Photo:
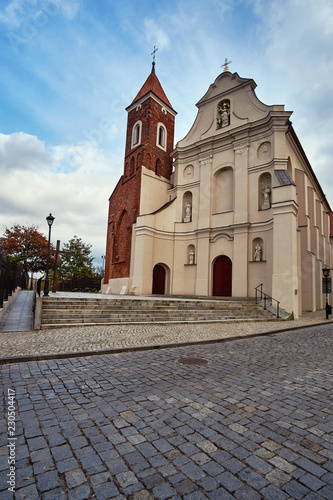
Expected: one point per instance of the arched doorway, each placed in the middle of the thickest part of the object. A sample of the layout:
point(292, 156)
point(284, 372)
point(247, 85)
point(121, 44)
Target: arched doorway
point(222, 277)
point(159, 276)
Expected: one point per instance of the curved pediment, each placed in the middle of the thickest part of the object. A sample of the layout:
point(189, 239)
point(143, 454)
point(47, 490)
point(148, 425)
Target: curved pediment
point(229, 103)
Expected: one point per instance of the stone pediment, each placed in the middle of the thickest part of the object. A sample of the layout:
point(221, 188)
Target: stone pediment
point(225, 83)
point(229, 103)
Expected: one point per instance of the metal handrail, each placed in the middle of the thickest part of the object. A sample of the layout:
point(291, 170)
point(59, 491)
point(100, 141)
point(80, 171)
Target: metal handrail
point(264, 297)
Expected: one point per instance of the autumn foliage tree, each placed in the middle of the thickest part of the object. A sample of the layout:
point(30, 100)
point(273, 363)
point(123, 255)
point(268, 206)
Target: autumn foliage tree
point(26, 245)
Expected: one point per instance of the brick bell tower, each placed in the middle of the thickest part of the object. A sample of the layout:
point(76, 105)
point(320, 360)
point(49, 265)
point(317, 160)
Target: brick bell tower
point(149, 143)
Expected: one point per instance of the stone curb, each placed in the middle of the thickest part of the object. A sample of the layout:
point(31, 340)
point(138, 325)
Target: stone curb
point(45, 357)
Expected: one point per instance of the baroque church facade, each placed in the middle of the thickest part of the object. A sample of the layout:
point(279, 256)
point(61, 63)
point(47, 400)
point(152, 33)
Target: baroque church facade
point(235, 204)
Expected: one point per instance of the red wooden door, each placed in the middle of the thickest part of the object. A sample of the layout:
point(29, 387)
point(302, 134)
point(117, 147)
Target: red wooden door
point(222, 277)
point(159, 280)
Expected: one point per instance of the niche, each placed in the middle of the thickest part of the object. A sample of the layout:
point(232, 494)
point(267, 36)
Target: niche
point(264, 191)
point(223, 113)
point(190, 255)
point(187, 207)
point(223, 190)
point(257, 249)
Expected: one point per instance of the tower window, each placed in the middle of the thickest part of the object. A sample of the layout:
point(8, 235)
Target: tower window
point(161, 136)
point(136, 134)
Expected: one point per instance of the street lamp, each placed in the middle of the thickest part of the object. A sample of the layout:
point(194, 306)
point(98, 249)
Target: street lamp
point(327, 288)
point(50, 220)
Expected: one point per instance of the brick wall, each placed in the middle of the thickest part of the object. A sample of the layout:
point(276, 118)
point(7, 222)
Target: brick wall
point(124, 202)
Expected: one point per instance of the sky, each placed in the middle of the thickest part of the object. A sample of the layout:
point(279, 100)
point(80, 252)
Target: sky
point(69, 68)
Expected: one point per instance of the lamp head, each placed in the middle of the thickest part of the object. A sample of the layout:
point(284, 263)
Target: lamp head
point(326, 272)
point(50, 219)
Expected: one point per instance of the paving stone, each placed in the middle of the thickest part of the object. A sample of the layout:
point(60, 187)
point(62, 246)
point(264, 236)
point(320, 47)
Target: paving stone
point(27, 493)
point(295, 489)
point(282, 464)
point(247, 493)
point(252, 478)
point(67, 465)
point(235, 449)
point(126, 479)
point(208, 484)
point(106, 491)
point(229, 481)
point(74, 478)
point(80, 493)
point(272, 492)
point(57, 494)
point(312, 482)
point(197, 495)
point(48, 481)
point(310, 467)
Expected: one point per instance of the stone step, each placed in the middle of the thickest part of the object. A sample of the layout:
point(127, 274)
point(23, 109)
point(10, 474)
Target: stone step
point(121, 318)
point(64, 311)
point(160, 322)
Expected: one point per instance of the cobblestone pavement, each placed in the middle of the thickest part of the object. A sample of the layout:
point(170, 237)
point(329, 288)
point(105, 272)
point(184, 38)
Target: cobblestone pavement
point(254, 420)
point(86, 339)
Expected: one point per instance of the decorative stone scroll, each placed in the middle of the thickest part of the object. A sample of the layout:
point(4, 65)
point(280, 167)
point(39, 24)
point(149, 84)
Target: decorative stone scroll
point(205, 160)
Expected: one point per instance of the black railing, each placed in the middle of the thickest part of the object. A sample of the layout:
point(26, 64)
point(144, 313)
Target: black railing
point(11, 276)
point(267, 301)
point(80, 285)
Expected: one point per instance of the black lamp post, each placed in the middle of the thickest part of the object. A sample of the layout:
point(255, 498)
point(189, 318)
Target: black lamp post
point(50, 220)
point(327, 289)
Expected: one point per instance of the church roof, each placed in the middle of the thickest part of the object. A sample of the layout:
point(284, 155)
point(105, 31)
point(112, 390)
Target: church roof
point(152, 84)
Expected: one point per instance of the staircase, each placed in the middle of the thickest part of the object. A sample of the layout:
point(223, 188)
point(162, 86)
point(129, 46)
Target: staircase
point(65, 311)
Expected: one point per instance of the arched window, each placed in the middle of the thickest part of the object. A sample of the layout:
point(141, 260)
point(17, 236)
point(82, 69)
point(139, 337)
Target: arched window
point(123, 238)
point(132, 165)
point(158, 167)
point(136, 134)
point(223, 190)
point(161, 138)
point(139, 161)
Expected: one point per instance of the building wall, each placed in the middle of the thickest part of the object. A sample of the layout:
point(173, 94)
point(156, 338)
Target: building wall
point(242, 190)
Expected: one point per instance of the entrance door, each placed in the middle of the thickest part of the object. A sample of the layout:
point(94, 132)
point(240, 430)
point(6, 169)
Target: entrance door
point(159, 280)
point(222, 277)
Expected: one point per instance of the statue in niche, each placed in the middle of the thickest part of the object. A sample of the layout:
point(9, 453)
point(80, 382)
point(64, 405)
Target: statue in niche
point(257, 253)
point(224, 114)
point(267, 203)
point(188, 212)
point(191, 257)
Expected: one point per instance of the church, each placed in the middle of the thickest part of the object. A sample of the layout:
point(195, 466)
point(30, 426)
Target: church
point(233, 205)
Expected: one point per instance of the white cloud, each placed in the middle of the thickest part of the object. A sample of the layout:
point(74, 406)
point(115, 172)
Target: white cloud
point(35, 182)
point(155, 34)
point(18, 12)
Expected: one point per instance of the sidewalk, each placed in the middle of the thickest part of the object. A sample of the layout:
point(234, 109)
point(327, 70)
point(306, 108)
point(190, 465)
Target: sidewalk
point(19, 318)
point(16, 344)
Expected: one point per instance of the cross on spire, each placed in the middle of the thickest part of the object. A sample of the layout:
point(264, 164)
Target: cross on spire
point(153, 53)
point(225, 65)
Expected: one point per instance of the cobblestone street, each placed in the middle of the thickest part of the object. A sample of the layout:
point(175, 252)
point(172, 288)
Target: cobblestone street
point(253, 418)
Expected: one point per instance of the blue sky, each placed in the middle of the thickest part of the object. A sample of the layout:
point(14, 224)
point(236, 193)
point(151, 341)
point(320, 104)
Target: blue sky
point(70, 68)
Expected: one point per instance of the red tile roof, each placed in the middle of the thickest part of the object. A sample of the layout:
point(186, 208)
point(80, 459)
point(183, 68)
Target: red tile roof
point(152, 84)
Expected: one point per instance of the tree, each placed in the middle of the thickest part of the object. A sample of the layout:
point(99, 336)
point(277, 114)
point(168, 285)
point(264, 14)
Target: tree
point(77, 261)
point(27, 246)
